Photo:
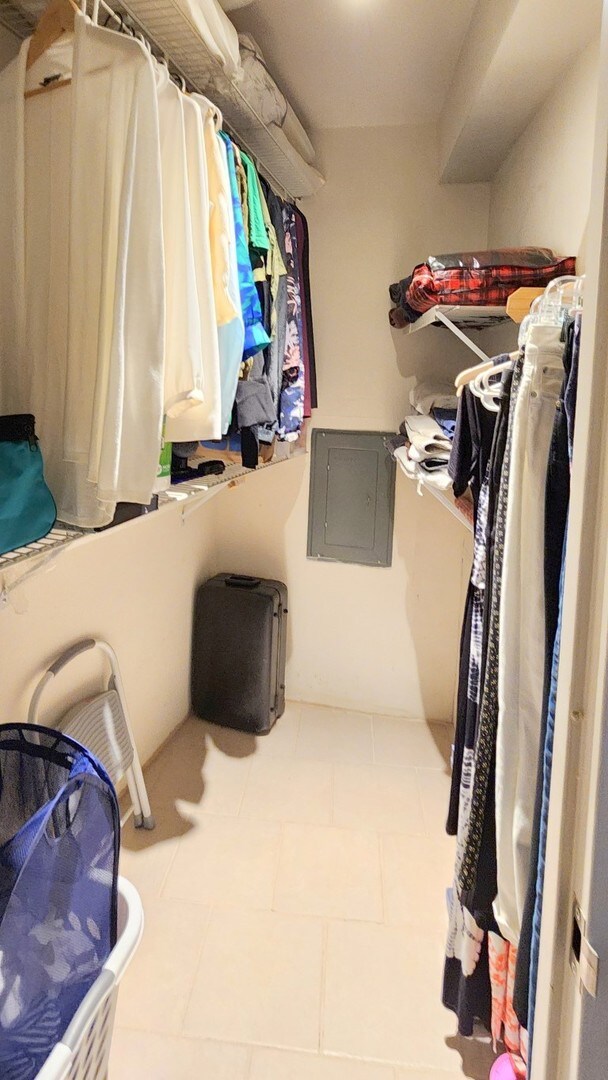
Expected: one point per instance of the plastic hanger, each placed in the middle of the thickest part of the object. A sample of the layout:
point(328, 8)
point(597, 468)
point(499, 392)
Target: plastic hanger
point(218, 119)
point(488, 392)
point(579, 293)
point(551, 308)
point(467, 376)
point(146, 44)
point(179, 81)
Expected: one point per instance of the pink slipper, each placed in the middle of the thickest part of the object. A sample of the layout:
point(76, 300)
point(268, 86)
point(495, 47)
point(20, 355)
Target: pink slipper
point(502, 1069)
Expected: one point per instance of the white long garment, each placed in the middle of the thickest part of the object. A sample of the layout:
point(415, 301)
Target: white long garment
point(522, 625)
point(220, 198)
point(82, 283)
point(204, 420)
point(184, 368)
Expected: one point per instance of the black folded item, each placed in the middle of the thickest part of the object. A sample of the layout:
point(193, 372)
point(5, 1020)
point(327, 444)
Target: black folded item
point(128, 511)
point(393, 442)
point(181, 471)
point(527, 257)
point(432, 464)
point(402, 313)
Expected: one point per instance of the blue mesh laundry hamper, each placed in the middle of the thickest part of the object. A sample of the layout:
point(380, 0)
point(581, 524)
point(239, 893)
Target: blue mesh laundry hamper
point(59, 846)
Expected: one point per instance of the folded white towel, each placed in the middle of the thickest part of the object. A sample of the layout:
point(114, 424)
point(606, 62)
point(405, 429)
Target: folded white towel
point(425, 396)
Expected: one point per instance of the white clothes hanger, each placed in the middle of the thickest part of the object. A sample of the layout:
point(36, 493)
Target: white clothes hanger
point(489, 391)
point(205, 103)
point(144, 41)
point(465, 377)
point(579, 293)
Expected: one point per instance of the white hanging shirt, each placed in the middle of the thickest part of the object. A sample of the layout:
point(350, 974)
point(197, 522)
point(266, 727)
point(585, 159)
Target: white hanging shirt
point(184, 375)
point(204, 420)
point(220, 197)
point(82, 277)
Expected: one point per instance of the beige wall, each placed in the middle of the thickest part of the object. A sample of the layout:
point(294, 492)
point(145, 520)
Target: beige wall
point(541, 193)
point(368, 638)
point(134, 587)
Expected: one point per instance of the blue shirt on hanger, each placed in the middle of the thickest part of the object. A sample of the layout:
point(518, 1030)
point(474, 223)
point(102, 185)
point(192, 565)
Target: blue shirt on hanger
point(256, 337)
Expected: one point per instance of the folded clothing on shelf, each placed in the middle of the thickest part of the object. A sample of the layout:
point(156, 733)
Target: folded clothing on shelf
point(476, 278)
point(422, 450)
point(427, 440)
point(446, 418)
point(437, 477)
point(426, 396)
point(264, 95)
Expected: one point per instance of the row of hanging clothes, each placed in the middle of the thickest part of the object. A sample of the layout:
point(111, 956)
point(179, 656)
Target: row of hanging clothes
point(513, 448)
point(152, 285)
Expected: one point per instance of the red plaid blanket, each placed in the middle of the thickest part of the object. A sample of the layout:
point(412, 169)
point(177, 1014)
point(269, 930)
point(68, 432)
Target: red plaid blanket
point(480, 285)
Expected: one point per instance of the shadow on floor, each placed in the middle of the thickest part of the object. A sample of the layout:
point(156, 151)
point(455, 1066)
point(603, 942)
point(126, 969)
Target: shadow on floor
point(476, 1053)
point(176, 777)
point(235, 744)
point(442, 735)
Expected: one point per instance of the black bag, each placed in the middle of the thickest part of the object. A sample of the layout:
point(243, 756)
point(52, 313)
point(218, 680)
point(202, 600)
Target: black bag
point(239, 650)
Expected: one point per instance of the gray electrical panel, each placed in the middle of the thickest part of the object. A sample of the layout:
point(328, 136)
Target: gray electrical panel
point(352, 498)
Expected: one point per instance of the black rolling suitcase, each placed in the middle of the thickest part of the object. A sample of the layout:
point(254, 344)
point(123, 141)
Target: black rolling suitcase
point(239, 647)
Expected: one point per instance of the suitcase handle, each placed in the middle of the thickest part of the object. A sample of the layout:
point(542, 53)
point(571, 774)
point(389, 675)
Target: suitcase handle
point(243, 581)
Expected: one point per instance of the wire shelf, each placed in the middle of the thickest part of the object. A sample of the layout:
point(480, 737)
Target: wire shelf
point(191, 489)
point(59, 536)
point(172, 35)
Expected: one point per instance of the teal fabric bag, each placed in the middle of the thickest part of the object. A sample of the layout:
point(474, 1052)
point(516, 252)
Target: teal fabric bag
point(27, 508)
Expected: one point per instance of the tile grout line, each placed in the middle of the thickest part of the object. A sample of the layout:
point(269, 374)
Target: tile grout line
point(323, 988)
point(204, 936)
point(249, 1065)
point(382, 879)
point(245, 786)
point(277, 869)
point(304, 1052)
point(167, 873)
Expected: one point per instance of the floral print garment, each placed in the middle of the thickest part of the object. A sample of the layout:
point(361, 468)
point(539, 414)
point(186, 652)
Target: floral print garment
point(291, 414)
point(505, 1026)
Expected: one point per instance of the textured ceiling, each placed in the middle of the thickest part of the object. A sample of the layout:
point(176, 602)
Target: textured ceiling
point(360, 63)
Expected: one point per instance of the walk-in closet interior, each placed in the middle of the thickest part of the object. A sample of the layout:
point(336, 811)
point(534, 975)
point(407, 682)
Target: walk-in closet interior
point(303, 539)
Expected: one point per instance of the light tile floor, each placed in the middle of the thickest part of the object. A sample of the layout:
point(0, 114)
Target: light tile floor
point(294, 892)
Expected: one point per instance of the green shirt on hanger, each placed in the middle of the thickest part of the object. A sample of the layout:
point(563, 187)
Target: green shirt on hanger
point(258, 237)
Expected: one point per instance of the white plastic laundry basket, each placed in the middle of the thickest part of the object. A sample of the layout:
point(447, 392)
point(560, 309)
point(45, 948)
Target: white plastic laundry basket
point(84, 1051)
